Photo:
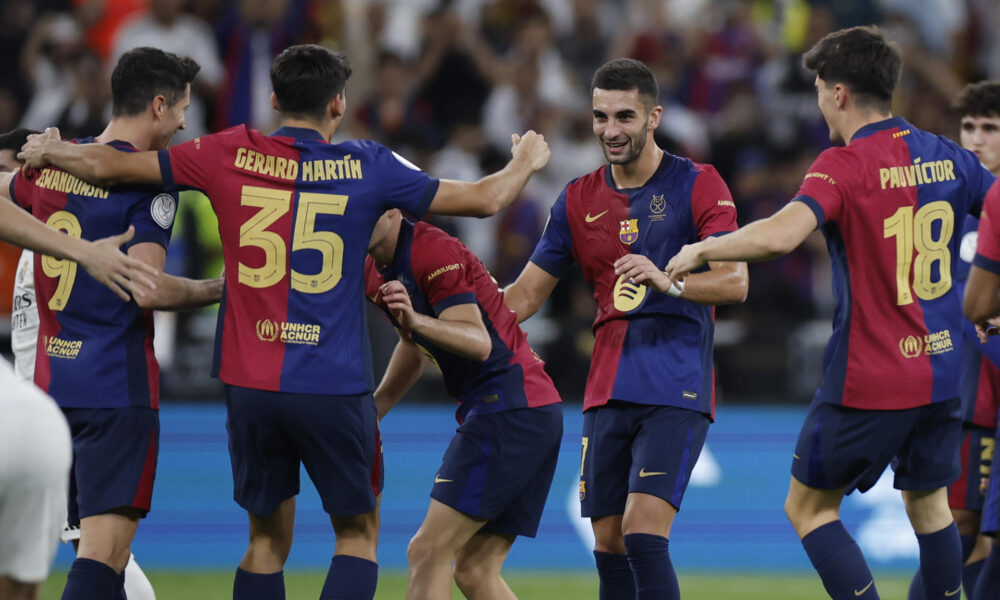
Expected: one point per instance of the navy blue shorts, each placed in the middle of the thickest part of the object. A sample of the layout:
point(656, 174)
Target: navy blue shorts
point(499, 467)
point(335, 437)
point(642, 448)
point(114, 459)
point(991, 504)
point(967, 492)
point(850, 448)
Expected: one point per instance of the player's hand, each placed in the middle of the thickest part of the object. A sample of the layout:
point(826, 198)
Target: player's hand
point(641, 270)
point(107, 264)
point(988, 329)
point(687, 260)
point(396, 297)
point(33, 151)
point(532, 146)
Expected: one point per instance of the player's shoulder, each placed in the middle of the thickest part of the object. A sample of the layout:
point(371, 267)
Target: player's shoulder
point(594, 182)
point(434, 239)
point(433, 248)
point(237, 135)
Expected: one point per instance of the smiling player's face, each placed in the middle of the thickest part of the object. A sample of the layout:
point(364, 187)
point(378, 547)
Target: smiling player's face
point(622, 123)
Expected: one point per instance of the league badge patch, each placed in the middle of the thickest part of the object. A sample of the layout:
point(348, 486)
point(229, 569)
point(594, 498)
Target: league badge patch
point(629, 232)
point(656, 208)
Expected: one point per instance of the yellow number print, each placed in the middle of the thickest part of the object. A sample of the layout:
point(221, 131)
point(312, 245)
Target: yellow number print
point(327, 243)
point(583, 455)
point(916, 231)
point(64, 269)
point(273, 205)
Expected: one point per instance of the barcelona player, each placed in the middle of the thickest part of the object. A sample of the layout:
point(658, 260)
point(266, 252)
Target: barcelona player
point(94, 354)
point(978, 105)
point(295, 216)
point(24, 340)
point(650, 394)
point(887, 203)
point(35, 446)
point(496, 473)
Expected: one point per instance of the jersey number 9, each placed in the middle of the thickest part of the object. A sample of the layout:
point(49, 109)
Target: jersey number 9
point(64, 269)
point(917, 231)
point(273, 205)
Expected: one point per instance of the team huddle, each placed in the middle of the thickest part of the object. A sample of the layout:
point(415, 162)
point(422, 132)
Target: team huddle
point(310, 229)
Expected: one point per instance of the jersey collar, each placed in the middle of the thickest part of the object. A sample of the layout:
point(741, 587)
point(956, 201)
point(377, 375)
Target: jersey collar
point(665, 161)
point(873, 128)
point(300, 134)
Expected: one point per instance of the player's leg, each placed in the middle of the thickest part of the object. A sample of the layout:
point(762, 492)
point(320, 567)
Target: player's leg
point(607, 439)
point(353, 572)
point(115, 453)
point(988, 584)
point(434, 548)
point(664, 451)
point(939, 541)
point(265, 482)
point(35, 456)
point(477, 567)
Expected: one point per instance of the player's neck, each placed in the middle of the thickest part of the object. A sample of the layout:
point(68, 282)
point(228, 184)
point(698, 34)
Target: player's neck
point(128, 130)
point(636, 173)
point(326, 128)
point(856, 121)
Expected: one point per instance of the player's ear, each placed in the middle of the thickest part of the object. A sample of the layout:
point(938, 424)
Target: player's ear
point(274, 102)
point(338, 106)
point(654, 117)
point(159, 106)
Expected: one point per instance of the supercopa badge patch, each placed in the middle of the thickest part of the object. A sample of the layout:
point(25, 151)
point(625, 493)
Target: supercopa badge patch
point(163, 209)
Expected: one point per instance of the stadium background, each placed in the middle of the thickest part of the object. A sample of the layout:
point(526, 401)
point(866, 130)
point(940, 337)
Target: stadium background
point(444, 84)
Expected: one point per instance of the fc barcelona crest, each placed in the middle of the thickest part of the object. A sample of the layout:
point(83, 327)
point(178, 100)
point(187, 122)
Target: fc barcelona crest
point(629, 232)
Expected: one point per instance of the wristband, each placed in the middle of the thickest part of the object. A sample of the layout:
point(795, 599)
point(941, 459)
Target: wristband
point(676, 288)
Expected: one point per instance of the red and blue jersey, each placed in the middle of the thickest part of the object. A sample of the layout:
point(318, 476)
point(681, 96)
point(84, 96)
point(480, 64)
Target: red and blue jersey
point(94, 349)
point(890, 205)
point(295, 216)
point(649, 348)
point(440, 272)
point(980, 378)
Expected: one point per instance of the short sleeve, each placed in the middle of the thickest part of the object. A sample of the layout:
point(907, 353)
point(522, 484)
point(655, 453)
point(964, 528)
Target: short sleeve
point(21, 186)
point(824, 187)
point(554, 252)
point(192, 164)
point(152, 214)
point(712, 204)
point(988, 245)
point(403, 184)
point(443, 276)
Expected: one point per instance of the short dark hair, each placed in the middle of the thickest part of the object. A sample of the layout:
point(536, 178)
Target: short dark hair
point(144, 73)
point(15, 138)
point(627, 74)
point(307, 77)
point(981, 99)
point(862, 59)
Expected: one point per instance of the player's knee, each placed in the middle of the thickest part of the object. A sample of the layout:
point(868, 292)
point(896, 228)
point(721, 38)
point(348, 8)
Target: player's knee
point(422, 550)
point(273, 544)
point(471, 576)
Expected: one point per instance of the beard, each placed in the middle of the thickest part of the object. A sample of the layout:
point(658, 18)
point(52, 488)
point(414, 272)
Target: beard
point(636, 145)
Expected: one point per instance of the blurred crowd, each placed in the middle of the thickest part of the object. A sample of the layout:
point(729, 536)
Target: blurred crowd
point(444, 83)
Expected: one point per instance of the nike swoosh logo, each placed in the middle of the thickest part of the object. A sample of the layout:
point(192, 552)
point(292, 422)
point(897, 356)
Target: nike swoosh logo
point(591, 219)
point(950, 594)
point(865, 589)
point(644, 473)
point(438, 479)
point(795, 455)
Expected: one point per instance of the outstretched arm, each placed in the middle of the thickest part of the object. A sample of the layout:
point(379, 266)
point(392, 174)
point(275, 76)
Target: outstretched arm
point(99, 164)
point(493, 193)
point(765, 239)
point(526, 295)
point(404, 369)
point(171, 292)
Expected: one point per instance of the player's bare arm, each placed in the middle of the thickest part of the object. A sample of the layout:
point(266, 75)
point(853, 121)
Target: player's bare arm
point(99, 164)
point(404, 368)
point(458, 329)
point(725, 283)
point(765, 239)
point(172, 292)
point(493, 193)
point(526, 295)
point(982, 296)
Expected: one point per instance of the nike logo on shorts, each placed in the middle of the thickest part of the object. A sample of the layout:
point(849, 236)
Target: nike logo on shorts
point(865, 589)
point(644, 473)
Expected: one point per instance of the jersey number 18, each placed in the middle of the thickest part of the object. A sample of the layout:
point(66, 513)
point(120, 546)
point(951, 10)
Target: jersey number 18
point(916, 231)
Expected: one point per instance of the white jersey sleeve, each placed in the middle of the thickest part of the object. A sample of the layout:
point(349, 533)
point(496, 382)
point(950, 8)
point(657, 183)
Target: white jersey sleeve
point(24, 318)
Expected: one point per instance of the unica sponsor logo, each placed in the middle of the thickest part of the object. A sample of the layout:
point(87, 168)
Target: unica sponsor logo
point(60, 348)
point(931, 344)
point(289, 333)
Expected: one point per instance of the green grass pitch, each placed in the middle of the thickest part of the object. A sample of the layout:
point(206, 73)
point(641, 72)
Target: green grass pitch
point(528, 585)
